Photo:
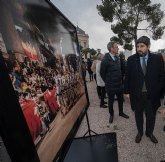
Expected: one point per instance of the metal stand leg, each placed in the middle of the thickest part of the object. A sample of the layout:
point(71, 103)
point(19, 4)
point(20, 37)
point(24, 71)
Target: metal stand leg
point(89, 131)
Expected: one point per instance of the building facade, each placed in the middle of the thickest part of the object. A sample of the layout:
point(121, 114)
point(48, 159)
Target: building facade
point(83, 38)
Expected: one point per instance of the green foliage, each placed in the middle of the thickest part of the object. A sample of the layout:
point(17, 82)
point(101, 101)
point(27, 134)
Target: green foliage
point(106, 10)
point(92, 51)
point(88, 50)
point(116, 39)
point(84, 52)
point(127, 16)
point(128, 46)
point(158, 32)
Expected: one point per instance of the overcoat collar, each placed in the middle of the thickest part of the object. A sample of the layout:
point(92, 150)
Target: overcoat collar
point(109, 57)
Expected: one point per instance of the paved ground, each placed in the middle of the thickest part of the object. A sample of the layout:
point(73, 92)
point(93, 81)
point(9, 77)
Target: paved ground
point(128, 150)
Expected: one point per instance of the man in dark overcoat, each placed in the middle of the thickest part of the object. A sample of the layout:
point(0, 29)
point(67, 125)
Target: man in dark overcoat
point(143, 82)
point(110, 72)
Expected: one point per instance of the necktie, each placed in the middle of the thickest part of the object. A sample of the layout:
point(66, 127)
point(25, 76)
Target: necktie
point(116, 58)
point(144, 71)
point(144, 65)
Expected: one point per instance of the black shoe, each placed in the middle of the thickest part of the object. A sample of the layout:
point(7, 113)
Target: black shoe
point(111, 119)
point(103, 106)
point(124, 116)
point(138, 138)
point(164, 128)
point(105, 102)
point(152, 138)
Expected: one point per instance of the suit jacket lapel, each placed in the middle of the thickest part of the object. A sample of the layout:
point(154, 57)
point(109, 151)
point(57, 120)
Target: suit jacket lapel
point(138, 64)
point(109, 57)
point(149, 63)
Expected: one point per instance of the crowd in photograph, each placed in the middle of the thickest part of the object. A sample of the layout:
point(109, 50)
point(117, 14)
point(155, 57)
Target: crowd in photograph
point(43, 92)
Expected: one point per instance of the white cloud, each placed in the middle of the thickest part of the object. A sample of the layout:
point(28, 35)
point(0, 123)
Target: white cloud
point(84, 13)
point(159, 44)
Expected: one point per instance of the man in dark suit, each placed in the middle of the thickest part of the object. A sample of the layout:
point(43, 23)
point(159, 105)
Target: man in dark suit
point(143, 82)
point(110, 72)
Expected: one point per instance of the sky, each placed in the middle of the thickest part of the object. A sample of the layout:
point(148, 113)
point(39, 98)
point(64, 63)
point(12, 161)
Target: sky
point(84, 14)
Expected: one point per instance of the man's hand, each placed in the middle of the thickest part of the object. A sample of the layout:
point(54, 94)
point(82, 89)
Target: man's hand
point(163, 112)
point(127, 97)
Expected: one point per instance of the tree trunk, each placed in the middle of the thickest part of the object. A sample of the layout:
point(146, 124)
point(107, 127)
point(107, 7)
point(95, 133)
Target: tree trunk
point(135, 39)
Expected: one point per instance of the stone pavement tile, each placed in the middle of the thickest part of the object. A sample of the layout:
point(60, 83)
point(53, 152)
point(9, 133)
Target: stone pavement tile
point(128, 150)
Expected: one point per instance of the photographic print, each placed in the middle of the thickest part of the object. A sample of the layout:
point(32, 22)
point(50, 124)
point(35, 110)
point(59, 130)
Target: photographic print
point(39, 46)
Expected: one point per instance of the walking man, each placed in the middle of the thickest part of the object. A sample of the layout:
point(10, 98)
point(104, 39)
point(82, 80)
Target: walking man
point(110, 72)
point(143, 82)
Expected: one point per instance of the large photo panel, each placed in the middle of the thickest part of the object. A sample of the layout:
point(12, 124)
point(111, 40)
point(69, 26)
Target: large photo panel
point(39, 46)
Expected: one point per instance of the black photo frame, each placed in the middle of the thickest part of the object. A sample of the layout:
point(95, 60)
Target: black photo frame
point(34, 32)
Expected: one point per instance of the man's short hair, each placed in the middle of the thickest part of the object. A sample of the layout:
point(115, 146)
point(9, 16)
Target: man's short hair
point(145, 40)
point(110, 45)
